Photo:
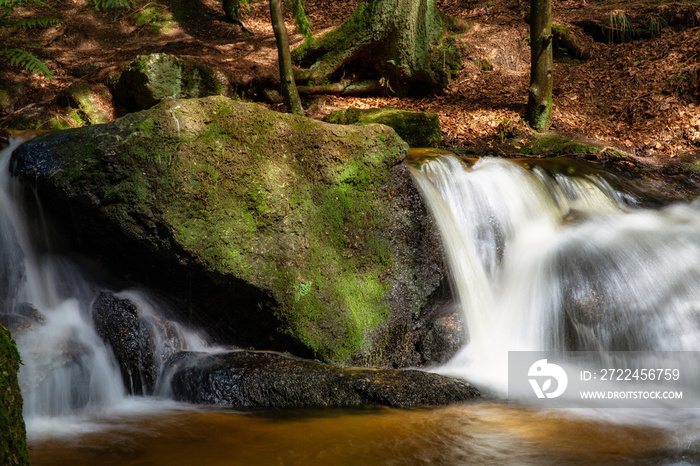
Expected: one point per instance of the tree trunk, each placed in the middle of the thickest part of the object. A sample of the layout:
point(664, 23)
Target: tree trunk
point(396, 42)
point(289, 87)
point(539, 103)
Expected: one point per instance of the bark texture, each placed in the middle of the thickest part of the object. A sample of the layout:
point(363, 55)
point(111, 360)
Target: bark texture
point(394, 42)
point(539, 103)
point(289, 87)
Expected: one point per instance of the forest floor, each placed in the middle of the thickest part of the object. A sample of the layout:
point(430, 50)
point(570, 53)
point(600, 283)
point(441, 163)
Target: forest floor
point(639, 93)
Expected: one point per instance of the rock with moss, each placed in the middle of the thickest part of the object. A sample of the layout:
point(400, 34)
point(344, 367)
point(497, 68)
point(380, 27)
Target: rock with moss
point(418, 129)
point(264, 379)
point(272, 230)
point(151, 78)
point(13, 435)
point(84, 103)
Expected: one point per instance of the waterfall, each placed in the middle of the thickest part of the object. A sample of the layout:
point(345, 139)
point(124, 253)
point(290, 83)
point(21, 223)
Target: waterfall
point(542, 261)
point(67, 368)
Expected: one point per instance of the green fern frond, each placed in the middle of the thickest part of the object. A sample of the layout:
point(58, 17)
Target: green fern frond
point(29, 23)
point(13, 4)
point(110, 4)
point(26, 60)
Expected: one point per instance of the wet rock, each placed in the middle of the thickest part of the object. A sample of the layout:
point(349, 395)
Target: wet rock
point(118, 323)
point(30, 311)
point(16, 324)
point(418, 129)
point(264, 379)
point(151, 78)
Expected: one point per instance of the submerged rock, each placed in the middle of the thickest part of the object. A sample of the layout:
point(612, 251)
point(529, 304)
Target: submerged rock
point(263, 379)
point(118, 323)
point(276, 231)
point(418, 129)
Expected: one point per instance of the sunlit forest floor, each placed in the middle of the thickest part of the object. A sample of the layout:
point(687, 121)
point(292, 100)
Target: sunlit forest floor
point(638, 93)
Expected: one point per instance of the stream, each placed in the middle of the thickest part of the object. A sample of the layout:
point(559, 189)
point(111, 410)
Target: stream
point(540, 260)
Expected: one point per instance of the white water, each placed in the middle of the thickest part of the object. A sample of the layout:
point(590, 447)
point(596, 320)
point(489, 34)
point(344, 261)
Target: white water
point(545, 262)
point(68, 373)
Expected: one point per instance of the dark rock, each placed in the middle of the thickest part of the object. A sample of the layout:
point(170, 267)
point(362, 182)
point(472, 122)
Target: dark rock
point(17, 324)
point(418, 129)
point(30, 311)
point(118, 323)
point(263, 379)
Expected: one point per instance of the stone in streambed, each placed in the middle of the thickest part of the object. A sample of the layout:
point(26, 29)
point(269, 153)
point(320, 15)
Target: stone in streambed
point(265, 379)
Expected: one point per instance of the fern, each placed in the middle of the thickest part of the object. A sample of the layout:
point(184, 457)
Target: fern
point(26, 60)
point(29, 23)
point(9, 48)
point(109, 4)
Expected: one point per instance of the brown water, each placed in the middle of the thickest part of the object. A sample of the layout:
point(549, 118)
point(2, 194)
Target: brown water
point(484, 433)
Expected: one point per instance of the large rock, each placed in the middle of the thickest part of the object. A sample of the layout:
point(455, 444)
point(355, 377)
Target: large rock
point(262, 379)
point(13, 436)
point(418, 129)
point(118, 323)
point(277, 231)
point(151, 78)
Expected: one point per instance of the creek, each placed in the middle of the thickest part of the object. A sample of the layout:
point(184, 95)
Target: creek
point(540, 259)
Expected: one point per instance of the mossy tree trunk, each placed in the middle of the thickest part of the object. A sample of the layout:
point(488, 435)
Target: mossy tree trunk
point(289, 87)
point(393, 42)
point(13, 436)
point(539, 102)
point(232, 9)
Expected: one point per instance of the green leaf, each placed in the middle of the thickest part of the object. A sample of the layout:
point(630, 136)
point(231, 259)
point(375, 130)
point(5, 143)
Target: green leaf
point(29, 62)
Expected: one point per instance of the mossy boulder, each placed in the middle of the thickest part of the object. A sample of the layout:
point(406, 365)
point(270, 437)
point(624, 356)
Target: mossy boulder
point(418, 129)
point(13, 435)
point(281, 232)
point(84, 103)
point(151, 78)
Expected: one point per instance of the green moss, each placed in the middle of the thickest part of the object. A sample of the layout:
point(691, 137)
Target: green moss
point(13, 437)
point(560, 30)
point(552, 145)
point(418, 129)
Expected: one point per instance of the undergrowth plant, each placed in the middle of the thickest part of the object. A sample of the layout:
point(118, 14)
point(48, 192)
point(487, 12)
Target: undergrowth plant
point(14, 50)
point(619, 25)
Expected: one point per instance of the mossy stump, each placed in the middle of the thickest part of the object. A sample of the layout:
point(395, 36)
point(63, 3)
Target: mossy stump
point(418, 129)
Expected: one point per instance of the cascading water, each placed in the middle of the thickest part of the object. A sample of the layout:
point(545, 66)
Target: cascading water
point(545, 262)
point(67, 368)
